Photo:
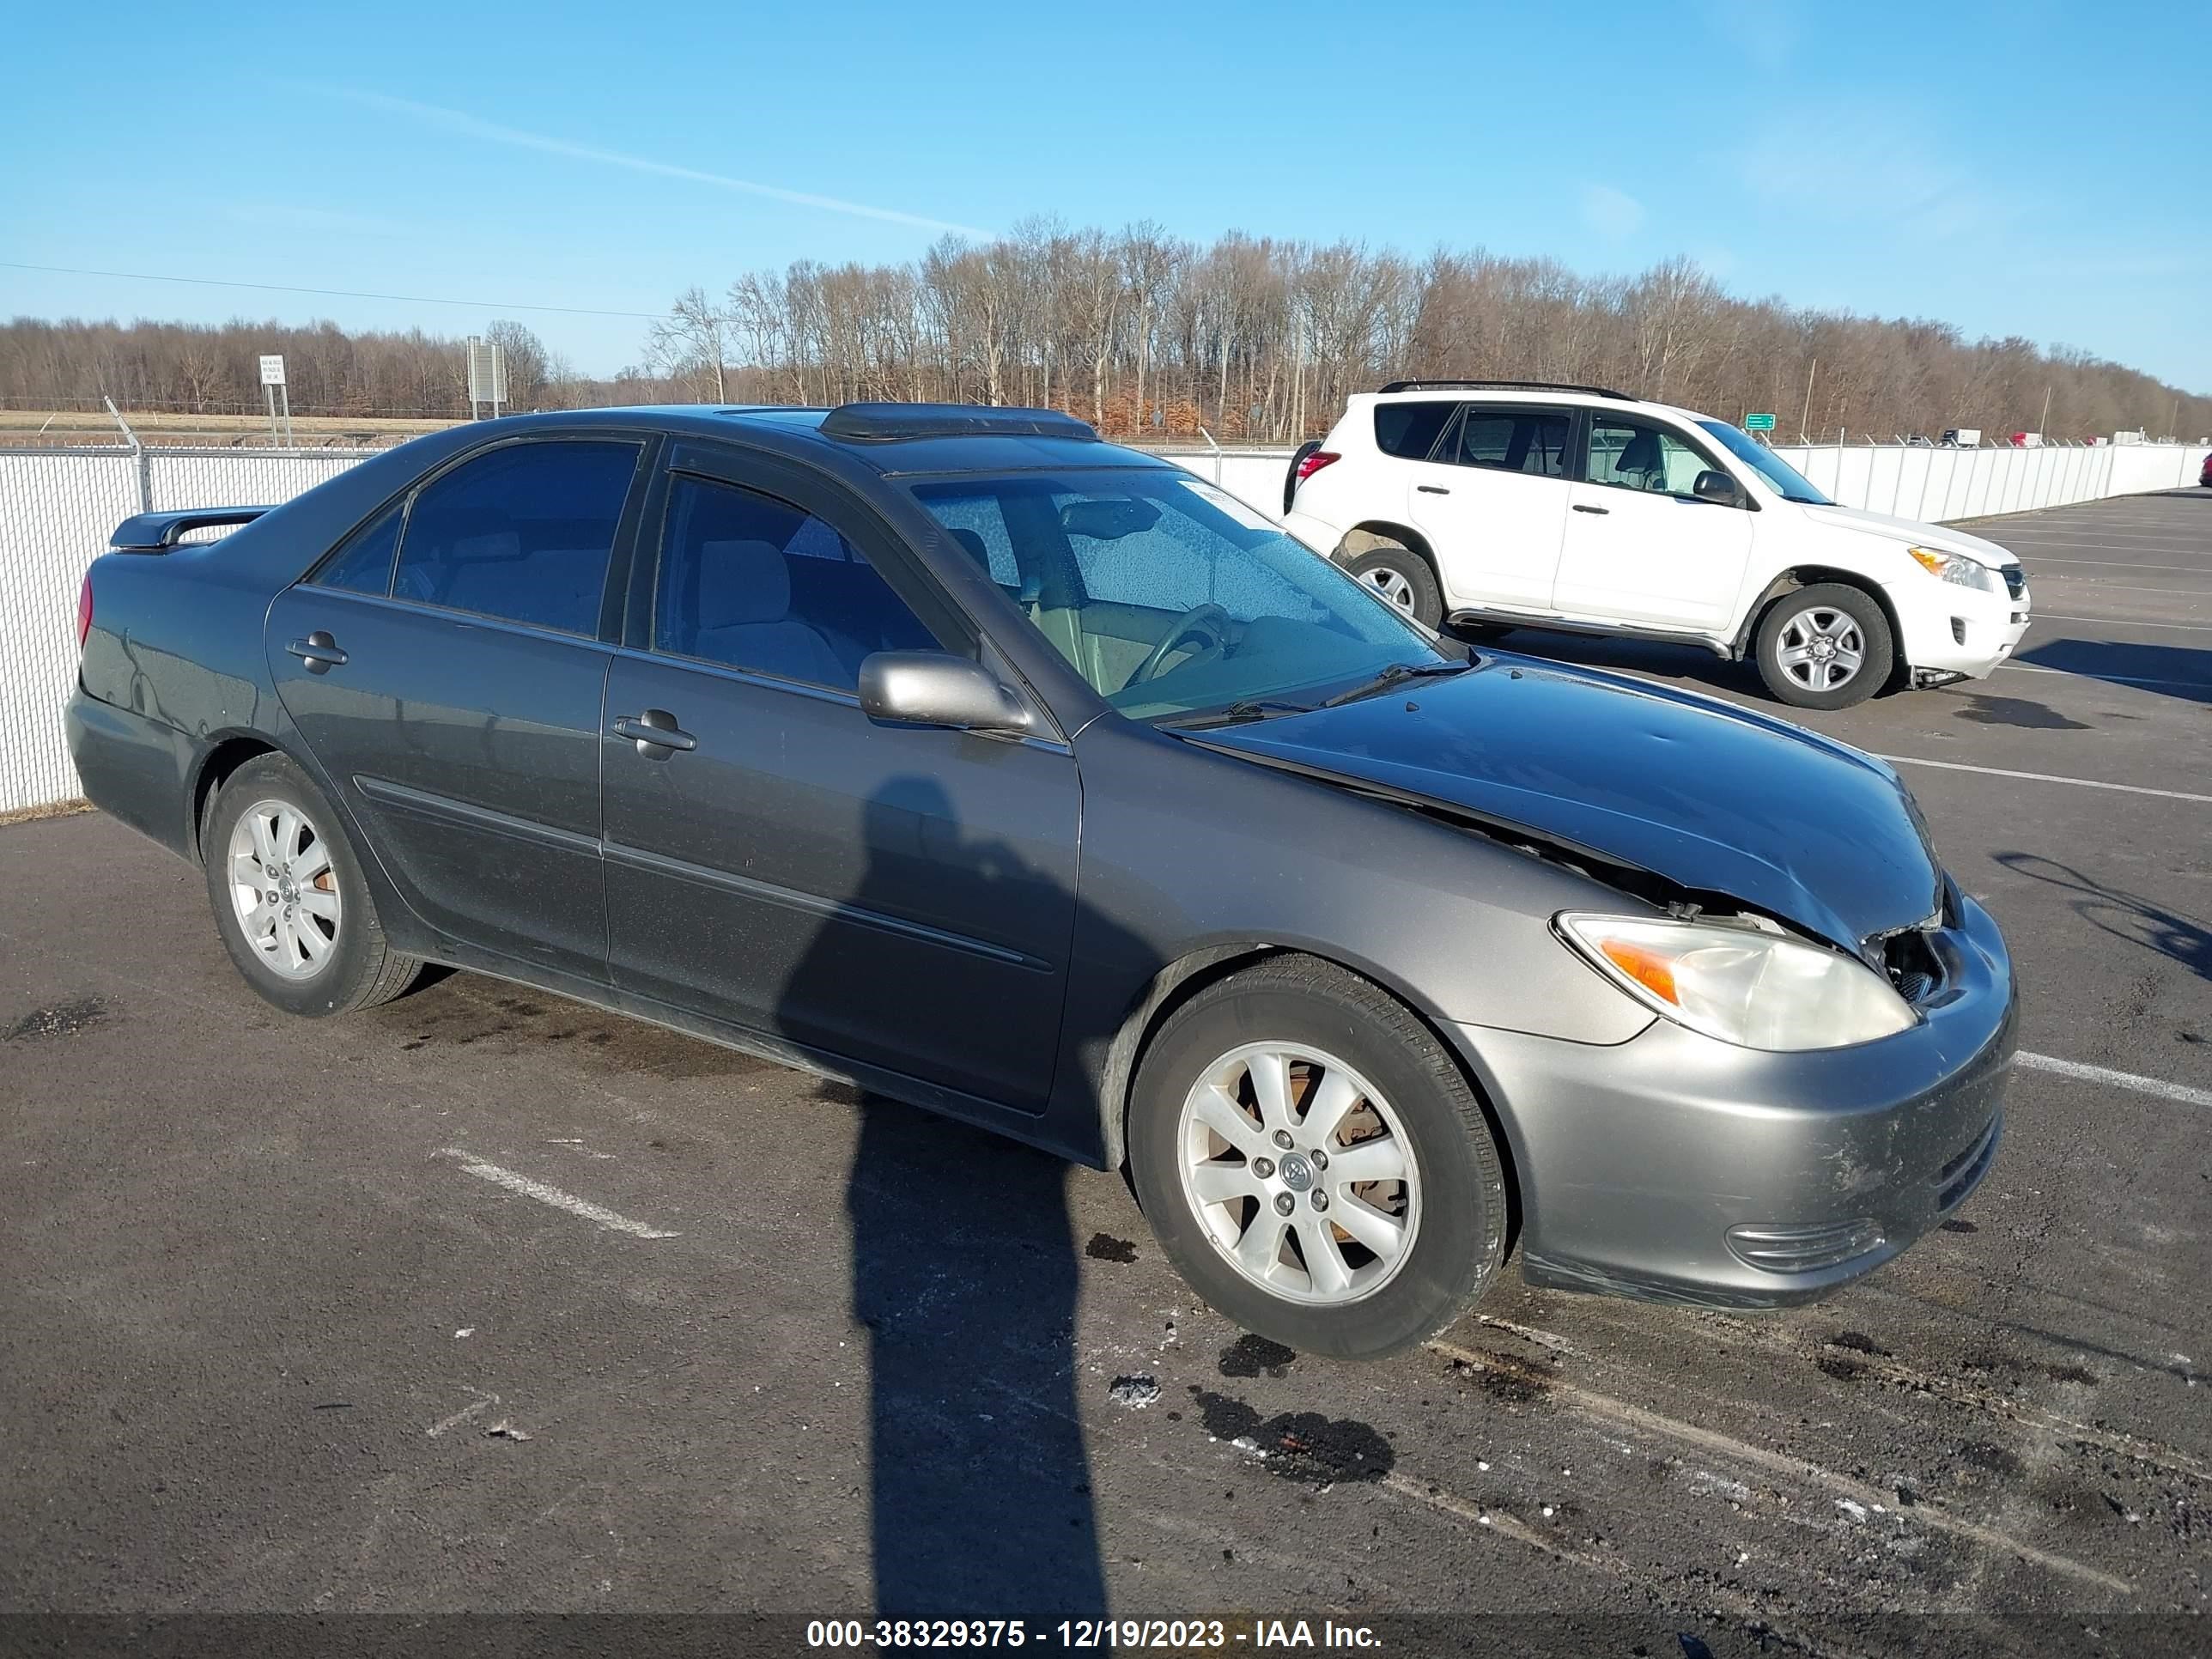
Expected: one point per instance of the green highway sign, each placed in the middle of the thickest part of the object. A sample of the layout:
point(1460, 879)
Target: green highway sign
point(1758, 423)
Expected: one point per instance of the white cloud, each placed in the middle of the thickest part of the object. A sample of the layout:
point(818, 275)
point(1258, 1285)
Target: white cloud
point(458, 121)
point(1612, 214)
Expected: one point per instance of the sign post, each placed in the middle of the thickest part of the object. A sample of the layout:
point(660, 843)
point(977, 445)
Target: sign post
point(272, 386)
point(1758, 423)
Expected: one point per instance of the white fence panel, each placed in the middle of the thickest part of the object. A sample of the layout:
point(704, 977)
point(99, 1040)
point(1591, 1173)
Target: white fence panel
point(55, 512)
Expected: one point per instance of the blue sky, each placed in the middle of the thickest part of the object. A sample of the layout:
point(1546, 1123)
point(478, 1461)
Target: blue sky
point(2029, 168)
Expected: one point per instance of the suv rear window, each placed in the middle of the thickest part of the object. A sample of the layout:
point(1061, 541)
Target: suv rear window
point(1409, 431)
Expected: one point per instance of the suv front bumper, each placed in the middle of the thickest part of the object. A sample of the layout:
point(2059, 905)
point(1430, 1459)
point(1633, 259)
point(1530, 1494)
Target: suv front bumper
point(1958, 630)
point(1676, 1167)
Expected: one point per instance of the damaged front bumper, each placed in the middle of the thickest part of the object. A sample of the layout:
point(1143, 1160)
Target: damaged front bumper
point(1676, 1167)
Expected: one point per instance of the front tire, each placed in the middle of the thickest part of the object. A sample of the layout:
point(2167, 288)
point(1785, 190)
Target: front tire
point(1403, 578)
point(1381, 1221)
point(1825, 646)
point(290, 899)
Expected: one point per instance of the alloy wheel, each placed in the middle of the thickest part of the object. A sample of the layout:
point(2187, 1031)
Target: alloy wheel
point(1300, 1172)
point(1820, 648)
point(284, 888)
point(1392, 585)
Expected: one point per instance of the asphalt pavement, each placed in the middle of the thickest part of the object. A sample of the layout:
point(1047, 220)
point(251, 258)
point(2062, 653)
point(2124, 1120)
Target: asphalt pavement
point(486, 1302)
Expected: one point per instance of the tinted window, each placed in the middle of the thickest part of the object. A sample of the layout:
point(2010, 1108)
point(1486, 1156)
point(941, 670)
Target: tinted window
point(1523, 440)
point(1409, 431)
point(755, 583)
point(363, 565)
point(1632, 455)
point(522, 534)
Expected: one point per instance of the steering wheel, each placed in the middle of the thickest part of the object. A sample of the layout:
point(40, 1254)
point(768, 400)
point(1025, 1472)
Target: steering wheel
point(1208, 622)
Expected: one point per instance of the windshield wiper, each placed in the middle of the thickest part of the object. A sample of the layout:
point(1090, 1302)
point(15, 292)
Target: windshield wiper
point(1250, 709)
point(1397, 673)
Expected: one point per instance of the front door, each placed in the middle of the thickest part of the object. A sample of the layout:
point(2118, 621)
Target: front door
point(1640, 546)
point(451, 695)
point(1492, 503)
point(900, 896)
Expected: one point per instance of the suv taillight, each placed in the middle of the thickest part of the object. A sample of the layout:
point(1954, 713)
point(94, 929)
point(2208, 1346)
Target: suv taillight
point(84, 612)
point(1314, 462)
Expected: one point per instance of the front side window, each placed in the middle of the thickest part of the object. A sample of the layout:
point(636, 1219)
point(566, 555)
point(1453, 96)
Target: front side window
point(1788, 483)
point(753, 582)
point(1635, 455)
point(1168, 595)
point(1509, 440)
point(522, 534)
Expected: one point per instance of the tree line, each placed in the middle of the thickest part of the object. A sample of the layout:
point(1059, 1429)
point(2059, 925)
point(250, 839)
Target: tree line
point(1146, 334)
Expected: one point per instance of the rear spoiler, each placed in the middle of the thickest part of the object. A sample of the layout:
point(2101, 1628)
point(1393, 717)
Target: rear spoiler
point(157, 532)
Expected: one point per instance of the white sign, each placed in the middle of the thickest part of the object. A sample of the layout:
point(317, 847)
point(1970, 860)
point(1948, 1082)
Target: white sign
point(272, 371)
point(487, 372)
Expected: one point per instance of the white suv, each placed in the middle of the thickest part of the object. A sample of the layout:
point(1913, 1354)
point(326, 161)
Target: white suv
point(1480, 505)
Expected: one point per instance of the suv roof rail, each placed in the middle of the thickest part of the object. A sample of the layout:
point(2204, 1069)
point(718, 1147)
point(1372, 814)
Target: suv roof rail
point(890, 422)
point(1510, 385)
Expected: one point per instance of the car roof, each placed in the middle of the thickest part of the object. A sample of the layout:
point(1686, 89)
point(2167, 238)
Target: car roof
point(1472, 392)
point(893, 441)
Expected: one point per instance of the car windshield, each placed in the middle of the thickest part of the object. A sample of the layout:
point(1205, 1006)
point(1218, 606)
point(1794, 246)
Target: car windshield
point(1786, 479)
point(1170, 596)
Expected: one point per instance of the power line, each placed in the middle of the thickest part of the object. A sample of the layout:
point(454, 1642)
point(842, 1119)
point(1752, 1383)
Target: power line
point(333, 293)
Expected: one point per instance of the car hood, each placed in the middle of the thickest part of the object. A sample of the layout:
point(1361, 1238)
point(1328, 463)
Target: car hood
point(1709, 796)
point(1936, 539)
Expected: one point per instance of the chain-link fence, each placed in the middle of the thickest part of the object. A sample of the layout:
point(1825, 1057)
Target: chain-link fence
point(58, 509)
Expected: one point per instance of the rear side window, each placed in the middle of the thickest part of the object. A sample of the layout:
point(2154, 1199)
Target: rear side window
point(1513, 440)
point(522, 534)
point(363, 565)
point(1409, 431)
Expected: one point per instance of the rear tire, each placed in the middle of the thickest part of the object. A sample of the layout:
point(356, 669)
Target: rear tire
point(316, 948)
point(1237, 1212)
point(1403, 578)
point(1825, 646)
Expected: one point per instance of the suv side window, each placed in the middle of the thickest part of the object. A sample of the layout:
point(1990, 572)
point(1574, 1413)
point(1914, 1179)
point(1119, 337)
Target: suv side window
point(522, 534)
point(753, 582)
point(1636, 455)
point(1410, 431)
point(1529, 440)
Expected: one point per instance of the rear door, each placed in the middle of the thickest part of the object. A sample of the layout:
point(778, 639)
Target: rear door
point(446, 672)
point(1640, 546)
point(896, 895)
point(1491, 500)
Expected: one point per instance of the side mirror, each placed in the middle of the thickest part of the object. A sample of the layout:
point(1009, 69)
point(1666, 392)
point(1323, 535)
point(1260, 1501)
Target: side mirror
point(1717, 488)
point(934, 688)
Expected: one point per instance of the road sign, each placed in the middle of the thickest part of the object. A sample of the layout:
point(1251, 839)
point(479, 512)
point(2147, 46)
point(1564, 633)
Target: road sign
point(487, 373)
point(1758, 423)
point(272, 371)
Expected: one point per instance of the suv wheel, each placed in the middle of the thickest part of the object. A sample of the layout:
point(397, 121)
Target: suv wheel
point(1314, 1163)
point(1403, 577)
point(289, 900)
point(1825, 646)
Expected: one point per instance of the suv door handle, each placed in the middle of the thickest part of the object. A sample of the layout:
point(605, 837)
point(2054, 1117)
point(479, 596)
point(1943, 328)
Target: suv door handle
point(1599, 511)
point(319, 652)
point(655, 733)
point(1433, 489)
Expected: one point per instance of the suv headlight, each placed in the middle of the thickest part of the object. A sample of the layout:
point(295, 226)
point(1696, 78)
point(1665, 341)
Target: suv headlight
point(1757, 990)
point(1958, 568)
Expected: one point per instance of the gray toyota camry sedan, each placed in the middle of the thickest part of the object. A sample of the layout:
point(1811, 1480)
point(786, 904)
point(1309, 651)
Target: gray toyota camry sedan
point(959, 755)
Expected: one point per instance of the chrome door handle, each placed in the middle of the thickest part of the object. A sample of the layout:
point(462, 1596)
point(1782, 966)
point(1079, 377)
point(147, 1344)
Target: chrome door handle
point(1599, 511)
point(655, 729)
point(319, 652)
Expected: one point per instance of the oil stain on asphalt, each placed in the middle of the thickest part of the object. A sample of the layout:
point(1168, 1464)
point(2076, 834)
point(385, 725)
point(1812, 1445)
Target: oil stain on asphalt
point(63, 1019)
point(1302, 1446)
point(1255, 1356)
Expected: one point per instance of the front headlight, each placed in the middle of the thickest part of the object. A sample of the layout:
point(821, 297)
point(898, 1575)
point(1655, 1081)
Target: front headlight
point(1958, 568)
point(1757, 990)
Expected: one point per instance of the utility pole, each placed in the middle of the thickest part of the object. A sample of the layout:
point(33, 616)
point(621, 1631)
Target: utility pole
point(1808, 415)
point(2044, 428)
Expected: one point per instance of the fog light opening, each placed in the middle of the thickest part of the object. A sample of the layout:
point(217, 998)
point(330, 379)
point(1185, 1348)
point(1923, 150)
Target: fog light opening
point(1778, 1248)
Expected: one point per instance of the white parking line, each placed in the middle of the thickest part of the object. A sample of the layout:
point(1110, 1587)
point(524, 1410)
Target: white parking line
point(2124, 622)
point(2142, 1085)
point(598, 1215)
point(2099, 583)
point(2108, 679)
point(2122, 564)
point(2046, 777)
